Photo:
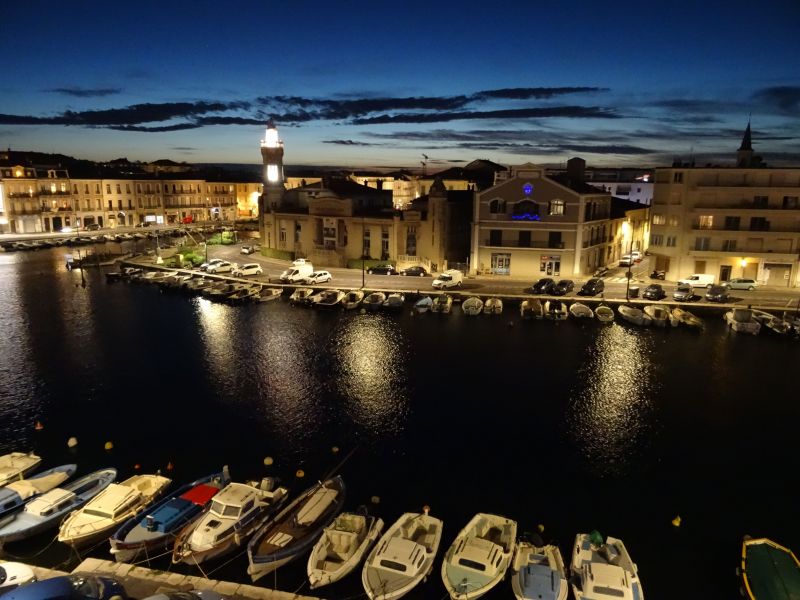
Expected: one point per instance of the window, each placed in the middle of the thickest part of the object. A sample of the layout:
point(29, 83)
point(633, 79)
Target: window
point(524, 239)
point(659, 219)
point(759, 224)
point(656, 239)
point(790, 202)
point(127, 188)
point(557, 207)
point(705, 222)
point(526, 210)
point(673, 221)
point(411, 241)
point(672, 240)
point(760, 201)
point(138, 188)
point(677, 177)
point(119, 190)
point(728, 245)
point(108, 188)
point(701, 243)
point(732, 223)
point(297, 232)
point(384, 243)
point(495, 237)
point(497, 206)
point(282, 235)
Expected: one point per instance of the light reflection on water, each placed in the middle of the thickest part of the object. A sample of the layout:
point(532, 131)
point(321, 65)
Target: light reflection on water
point(610, 411)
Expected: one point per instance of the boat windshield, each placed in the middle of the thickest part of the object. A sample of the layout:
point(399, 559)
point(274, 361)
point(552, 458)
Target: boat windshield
point(224, 510)
point(97, 513)
point(607, 591)
point(394, 566)
point(471, 564)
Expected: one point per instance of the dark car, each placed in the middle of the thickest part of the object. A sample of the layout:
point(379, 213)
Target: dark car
point(543, 286)
point(565, 286)
point(417, 271)
point(718, 293)
point(592, 287)
point(684, 291)
point(78, 586)
point(382, 270)
point(654, 291)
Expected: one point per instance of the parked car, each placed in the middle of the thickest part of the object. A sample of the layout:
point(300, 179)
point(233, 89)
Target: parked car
point(543, 286)
point(565, 286)
point(718, 293)
point(222, 266)
point(13, 575)
point(93, 227)
point(247, 250)
point(636, 256)
point(705, 280)
point(451, 278)
point(592, 287)
point(683, 293)
point(382, 270)
point(213, 261)
point(742, 284)
point(78, 586)
point(626, 260)
point(654, 291)
point(247, 269)
point(416, 271)
point(319, 277)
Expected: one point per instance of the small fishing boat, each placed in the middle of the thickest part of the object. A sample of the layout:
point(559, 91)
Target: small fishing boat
point(741, 320)
point(538, 572)
point(296, 528)
point(374, 300)
point(472, 306)
point(580, 311)
point(604, 314)
point(603, 569)
point(442, 304)
point(772, 323)
point(109, 509)
point(267, 293)
point(660, 315)
point(327, 298)
point(423, 305)
point(352, 299)
point(493, 306)
point(555, 310)
point(49, 509)
point(634, 315)
point(154, 530)
point(16, 465)
point(301, 295)
point(242, 295)
point(15, 494)
point(235, 514)
point(532, 308)
point(526, 309)
point(341, 547)
point(684, 317)
point(403, 556)
point(769, 571)
point(478, 558)
point(394, 301)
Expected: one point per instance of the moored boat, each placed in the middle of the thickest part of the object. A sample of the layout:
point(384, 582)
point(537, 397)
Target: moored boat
point(472, 306)
point(352, 299)
point(327, 298)
point(660, 316)
point(374, 300)
point(267, 293)
point(603, 568)
point(423, 305)
point(555, 310)
point(442, 304)
point(688, 319)
point(538, 572)
point(15, 494)
point(580, 311)
point(493, 306)
point(741, 320)
point(604, 313)
point(301, 295)
point(634, 315)
point(394, 301)
point(769, 571)
point(296, 528)
point(16, 465)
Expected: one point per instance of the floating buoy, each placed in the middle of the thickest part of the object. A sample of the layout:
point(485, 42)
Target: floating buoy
point(268, 460)
point(677, 521)
point(38, 426)
point(375, 499)
point(426, 509)
point(335, 449)
point(540, 527)
point(169, 466)
point(300, 473)
point(109, 445)
point(137, 466)
point(72, 442)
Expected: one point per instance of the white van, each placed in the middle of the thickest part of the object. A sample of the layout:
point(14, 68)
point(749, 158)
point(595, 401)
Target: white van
point(449, 279)
point(705, 280)
point(298, 273)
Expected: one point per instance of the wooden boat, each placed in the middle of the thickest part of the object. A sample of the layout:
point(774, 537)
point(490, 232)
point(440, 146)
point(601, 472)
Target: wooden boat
point(555, 310)
point(580, 311)
point(603, 569)
point(341, 547)
point(15, 494)
point(604, 314)
point(394, 301)
point(374, 300)
point(402, 557)
point(236, 512)
point(741, 320)
point(154, 530)
point(772, 323)
point(660, 316)
point(423, 305)
point(327, 298)
point(493, 306)
point(769, 571)
point(296, 528)
point(526, 309)
point(442, 304)
point(634, 315)
point(301, 295)
point(478, 558)
point(472, 306)
point(267, 293)
point(49, 509)
point(538, 573)
point(352, 299)
point(684, 317)
point(109, 509)
point(16, 465)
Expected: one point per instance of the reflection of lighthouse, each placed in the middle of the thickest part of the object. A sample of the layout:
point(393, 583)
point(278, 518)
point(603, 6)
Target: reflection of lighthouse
point(272, 155)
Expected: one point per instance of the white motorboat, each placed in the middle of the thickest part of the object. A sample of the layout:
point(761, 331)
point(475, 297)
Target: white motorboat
point(352, 299)
point(327, 298)
point(580, 311)
point(684, 317)
point(374, 300)
point(634, 315)
point(493, 306)
point(402, 557)
point(604, 314)
point(531, 309)
point(266, 293)
point(234, 515)
point(15, 494)
point(442, 304)
point(16, 465)
point(110, 509)
point(341, 547)
point(555, 310)
point(772, 323)
point(603, 569)
point(741, 320)
point(660, 315)
point(394, 301)
point(423, 305)
point(301, 295)
point(478, 558)
point(538, 573)
point(472, 306)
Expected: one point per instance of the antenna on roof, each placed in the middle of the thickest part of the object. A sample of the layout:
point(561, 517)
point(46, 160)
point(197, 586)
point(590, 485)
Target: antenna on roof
point(424, 165)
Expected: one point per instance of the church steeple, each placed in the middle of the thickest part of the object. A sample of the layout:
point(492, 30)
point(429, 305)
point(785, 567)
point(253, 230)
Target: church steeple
point(747, 142)
point(744, 155)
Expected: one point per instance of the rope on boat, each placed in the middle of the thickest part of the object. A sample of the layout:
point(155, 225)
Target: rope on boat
point(234, 557)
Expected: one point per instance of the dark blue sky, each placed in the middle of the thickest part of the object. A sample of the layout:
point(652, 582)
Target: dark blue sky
point(382, 84)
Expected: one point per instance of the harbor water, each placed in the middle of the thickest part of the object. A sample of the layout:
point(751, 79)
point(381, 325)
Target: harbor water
point(572, 426)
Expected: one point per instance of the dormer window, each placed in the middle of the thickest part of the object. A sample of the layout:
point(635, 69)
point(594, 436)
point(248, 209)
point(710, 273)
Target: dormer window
point(497, 206)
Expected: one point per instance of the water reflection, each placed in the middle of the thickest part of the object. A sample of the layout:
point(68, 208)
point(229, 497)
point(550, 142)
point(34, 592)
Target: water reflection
point(372, 378)
point(610, 409)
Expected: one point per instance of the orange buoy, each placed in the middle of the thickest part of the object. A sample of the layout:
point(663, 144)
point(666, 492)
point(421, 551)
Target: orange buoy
point(38, 426)
point(335, 449)
point(300, 473)
point(169, 466)
point(137, 466)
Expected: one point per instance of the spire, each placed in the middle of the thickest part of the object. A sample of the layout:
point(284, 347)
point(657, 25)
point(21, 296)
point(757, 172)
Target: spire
point(746, 139)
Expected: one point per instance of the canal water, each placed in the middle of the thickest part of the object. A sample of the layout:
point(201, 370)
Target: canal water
point(571, 426)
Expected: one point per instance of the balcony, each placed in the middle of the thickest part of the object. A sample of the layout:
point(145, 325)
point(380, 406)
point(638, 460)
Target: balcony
point(768, 227)
point(31, 194)
point(55, 193)
point(537, 244)
point(742, 205)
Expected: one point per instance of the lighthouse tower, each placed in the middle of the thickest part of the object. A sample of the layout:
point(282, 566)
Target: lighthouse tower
point(272, 155)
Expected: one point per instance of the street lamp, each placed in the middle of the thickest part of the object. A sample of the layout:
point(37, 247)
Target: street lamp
point(743, 264)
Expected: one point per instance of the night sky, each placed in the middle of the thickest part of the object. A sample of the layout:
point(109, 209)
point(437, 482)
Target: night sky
point(384, 84)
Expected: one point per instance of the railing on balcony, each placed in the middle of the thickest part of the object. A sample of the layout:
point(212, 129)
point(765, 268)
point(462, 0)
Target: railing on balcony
point(517, 244)
point(55, 193)
point(743, 205)
point(766, 227)
point(32, 194)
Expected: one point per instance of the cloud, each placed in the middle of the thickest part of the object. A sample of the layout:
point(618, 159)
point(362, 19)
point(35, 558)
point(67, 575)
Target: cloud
point(573, 112)
point(184, 148)
point(784, 98)
point(539, 92)
point(348, 143)
point(155, 129)
point(86, 93)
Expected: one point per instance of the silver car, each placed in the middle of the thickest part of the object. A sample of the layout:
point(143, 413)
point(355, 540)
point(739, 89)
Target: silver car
point(742, 284)
point(683, 293)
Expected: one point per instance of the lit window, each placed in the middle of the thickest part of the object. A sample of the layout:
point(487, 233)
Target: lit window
point(272, 173)
point(557, 207)
point(659, 219)
point(706, 221)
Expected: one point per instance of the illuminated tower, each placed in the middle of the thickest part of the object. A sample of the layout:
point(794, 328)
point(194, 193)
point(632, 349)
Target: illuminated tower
point(272, 155)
